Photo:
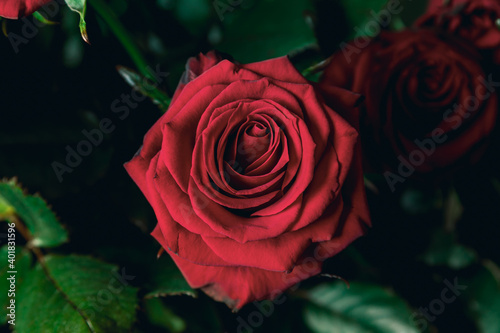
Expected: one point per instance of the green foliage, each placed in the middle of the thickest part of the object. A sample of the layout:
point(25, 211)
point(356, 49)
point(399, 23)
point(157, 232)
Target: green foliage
point(21, 264)
point(417, 202)
point(483, 298)
point(33, 210)
point(43, 19)
point(80, 7)
point(444, 250)
point(364, 15)
point(254, 31)
point(162, 316)
point(194, 14)
point(166, 279)
point(145, 86)
point(361, 308)
point(80, 294)
point(359, 13)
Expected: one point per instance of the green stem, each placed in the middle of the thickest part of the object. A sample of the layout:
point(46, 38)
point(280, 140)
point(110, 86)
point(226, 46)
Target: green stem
point(123, 36)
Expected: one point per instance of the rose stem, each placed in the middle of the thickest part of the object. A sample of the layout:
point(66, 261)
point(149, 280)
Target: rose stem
point(123, 36)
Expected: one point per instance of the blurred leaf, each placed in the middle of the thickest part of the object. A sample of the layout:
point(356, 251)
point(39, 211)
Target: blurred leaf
point(310, 62)
point(167, 280)
point(91, 296)
point(361, 12)
point(6, 210)
point(33, 210)
point(397, 24)
point(73, 51)
point(4, 28)
point(80, 7)
point(361, 308)
point(43, 19)
point(268, 29)
point(453, 210)
point(145, 87)
point(194, 14)
point(483, 296)
point(21, 267)
point(161, 315)
point(412, 10)
point(445, 251)
point(365, 15)
point(416, 201)
point(163, 276)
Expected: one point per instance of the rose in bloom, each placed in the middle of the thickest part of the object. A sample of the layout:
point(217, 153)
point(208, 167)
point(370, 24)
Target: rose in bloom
point(429, 105)
point(253, 179)
point(473, 20)
point(14, 9)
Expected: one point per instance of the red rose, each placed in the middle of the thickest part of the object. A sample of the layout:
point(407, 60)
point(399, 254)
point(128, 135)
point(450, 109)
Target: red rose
point(253, 179)
point(429, 104)
point(14, 9)
point(472, 20)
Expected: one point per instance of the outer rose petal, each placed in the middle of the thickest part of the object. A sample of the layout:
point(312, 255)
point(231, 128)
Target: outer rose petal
point(237, 286)
point(471, 20)
point(195, 66)
point(14, 9)
point(439, 4)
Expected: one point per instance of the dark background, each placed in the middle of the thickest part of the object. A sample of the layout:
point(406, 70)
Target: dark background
point(56, 86)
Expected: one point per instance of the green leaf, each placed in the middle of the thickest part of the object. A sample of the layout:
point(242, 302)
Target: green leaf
point(453, 209)
point(445, 251)
point(362, 308)
point(91, 296)
point(266, 29)
point(145, 87)
point(22, 265)
point(163, 276)
point(33, 210)
point(80, 7)
point(167, 280)
point(43, 19)
point(360, 15)
point(412, 10)
point(162, 316)
point(6, 210)
point(194, 15)
point(483, 298)
point(365, 15)
point(420, 202)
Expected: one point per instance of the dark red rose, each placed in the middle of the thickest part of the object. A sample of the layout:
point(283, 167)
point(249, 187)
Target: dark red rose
point(253, 179)
point(429, 104)
point(473, 20)
point(14, 9)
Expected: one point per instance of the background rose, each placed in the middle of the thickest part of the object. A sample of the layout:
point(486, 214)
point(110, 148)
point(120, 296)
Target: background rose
point(472, 20)
point(429, 104)
point(249, 173)
point(14, 9)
